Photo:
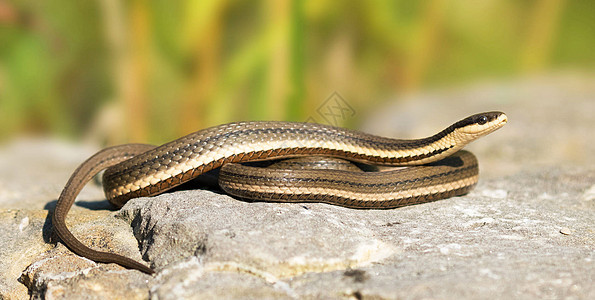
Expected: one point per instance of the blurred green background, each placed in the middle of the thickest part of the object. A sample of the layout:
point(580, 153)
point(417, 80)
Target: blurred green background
point(150, 71)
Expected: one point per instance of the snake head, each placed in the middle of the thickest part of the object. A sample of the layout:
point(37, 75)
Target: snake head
point(481, 124)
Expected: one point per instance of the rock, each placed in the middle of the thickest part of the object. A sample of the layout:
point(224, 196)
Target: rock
point(21, 243)
point(80, 281)
point(566, 231)
point(524, 232)
point(471, 244)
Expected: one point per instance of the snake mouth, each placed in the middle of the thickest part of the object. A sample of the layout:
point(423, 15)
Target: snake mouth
point(499, 122)
point(503, 119)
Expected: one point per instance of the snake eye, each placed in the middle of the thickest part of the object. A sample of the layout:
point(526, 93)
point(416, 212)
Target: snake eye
point(482, 120)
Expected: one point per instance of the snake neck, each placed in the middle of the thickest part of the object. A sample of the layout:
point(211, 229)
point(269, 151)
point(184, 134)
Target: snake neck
point(423, 151)
point(451, 139)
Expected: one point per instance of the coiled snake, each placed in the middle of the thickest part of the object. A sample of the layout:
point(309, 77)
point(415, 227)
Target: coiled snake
point(439, 170)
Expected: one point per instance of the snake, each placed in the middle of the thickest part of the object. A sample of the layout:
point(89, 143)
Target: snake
point(431, 168)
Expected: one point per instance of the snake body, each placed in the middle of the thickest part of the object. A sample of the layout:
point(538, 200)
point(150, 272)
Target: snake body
point(136, 170)
point(454, 175)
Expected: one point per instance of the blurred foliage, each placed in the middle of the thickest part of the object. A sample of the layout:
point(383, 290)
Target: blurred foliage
point(122, 71)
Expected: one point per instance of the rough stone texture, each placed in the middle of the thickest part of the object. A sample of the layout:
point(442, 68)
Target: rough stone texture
point(526, 231)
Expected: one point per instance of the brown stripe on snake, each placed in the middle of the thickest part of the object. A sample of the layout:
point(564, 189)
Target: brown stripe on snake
point(143, 170)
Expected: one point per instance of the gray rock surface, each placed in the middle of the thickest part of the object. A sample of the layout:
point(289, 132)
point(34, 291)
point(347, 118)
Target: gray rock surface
point(526, 231)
